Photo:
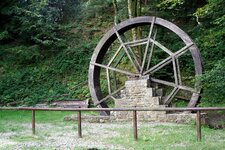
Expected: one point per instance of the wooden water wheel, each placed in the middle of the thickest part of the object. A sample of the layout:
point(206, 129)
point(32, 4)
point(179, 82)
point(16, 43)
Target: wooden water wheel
point(145, 46)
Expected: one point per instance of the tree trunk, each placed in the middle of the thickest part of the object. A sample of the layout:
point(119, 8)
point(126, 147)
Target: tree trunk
point(139, 33)
point(116, 19)
point(134, 10)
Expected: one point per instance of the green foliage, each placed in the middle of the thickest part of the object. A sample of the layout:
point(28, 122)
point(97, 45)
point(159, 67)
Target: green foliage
point(33, 22)
point(179, 10)
point(213, 82)
point(171, 4)
point(210, 36)
point(43, 81)
point(95, 8)
point(212, 12)
point(46, 45)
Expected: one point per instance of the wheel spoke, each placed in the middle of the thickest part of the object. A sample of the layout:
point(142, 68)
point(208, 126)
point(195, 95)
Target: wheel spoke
point(178, 72)
point(175, 70)
point(108, 96)
point(125, 48)
point(162, 47)
point(151, 51)
point(147, 45)
point(167, 60)
point(120, 58)
point(113, 98)
point(159, 66)
point(108, 81)
point(136, 42)
point(135, 58)
point(114, 56)
point(181, 87)
point(194, 100)
point(115, 69)
point(115, 80)
point(183, 50)
point(169, 98)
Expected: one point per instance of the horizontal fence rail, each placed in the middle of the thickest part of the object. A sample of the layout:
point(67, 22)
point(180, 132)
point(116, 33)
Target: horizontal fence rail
point(134, 110)
point(117, 109)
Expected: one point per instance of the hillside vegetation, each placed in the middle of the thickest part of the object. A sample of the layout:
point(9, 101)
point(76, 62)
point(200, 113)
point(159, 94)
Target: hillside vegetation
point(46, 45)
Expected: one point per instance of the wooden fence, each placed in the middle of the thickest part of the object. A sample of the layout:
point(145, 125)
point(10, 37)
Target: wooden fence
point(198, 110)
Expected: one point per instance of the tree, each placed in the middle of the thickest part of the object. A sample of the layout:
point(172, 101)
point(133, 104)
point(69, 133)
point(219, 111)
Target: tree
point(134, 10)
point(33, 22)
point(115, 6)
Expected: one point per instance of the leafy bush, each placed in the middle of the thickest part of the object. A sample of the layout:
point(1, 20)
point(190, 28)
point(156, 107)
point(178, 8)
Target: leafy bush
point(33, 22)
point(210, 36)
point(213, 82)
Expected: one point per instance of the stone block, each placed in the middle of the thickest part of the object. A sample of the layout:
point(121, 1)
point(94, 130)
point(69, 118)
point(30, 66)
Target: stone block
point(138, 93)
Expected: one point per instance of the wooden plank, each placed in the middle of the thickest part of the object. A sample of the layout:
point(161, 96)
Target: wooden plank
point(158, 66)
point(151, 51)
point(140, 41)
point(115, 69)
point(70, 103)
point(162, 47)
point(119, 59)
point(147, 45)
point(134, 56)
point(137, 44)
point(79, 124)
point(167, 60)
point(173, 85)
point(198, 126)
point(108, 81)
point(125, 48)
point(114, 56)
point(118, 109)
point(175, 70)
point(135, 125)
point(108, 96)
point(183, 50)
point(33, 121)
point(170, 97)
point(178, 71)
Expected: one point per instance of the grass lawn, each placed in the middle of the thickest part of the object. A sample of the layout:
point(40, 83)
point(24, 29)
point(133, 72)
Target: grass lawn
point(52, 128)
point(8, 118)
point(169, 137)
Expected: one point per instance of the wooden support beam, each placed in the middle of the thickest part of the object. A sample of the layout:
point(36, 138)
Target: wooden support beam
point(135, 125)
point(125, 49)
point(79, 124)
point(115, 69)
point(198, 126)
point(33, 121)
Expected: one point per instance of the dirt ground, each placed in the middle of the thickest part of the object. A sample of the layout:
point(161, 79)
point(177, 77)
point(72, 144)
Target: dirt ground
point(62, 137)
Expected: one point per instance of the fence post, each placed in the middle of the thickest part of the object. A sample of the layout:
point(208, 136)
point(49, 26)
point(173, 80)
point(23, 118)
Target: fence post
point(135, 125)
point(79, 124)
point(33, 121)
point(198, 125)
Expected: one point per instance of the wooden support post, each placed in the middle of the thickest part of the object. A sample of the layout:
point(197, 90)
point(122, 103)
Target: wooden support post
point(198, 125)
point(33, 121)
point(79, 124)
point(135, 125)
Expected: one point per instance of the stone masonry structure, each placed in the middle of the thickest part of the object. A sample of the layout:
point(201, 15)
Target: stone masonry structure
point(138, 93)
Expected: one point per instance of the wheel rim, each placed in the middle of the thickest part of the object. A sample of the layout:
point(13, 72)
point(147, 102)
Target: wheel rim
point(142, 68)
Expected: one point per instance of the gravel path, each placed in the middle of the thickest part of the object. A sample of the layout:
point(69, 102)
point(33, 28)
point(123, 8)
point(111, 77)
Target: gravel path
point(63, 137)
